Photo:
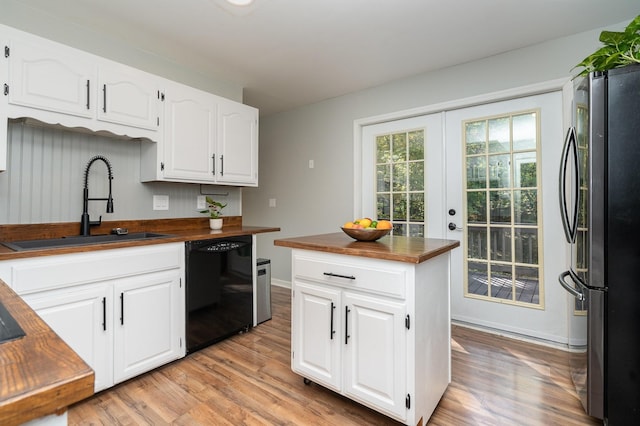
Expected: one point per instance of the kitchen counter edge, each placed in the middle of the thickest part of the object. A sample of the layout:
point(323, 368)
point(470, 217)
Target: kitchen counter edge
point(52, 378)
point(174, 235)
point(395, 248)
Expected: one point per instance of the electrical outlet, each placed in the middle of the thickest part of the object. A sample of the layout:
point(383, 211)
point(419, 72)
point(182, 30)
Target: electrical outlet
point(161, 202)
point(201, 204)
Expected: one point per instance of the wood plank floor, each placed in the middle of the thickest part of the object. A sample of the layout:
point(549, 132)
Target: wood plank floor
point(247, 380)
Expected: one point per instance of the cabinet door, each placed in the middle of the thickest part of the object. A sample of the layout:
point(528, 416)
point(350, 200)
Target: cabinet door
point(51, 77)
point(316, 334)
point(81, 316)
point(128, 96)
point(375, 362)
point(237, 143)
point(189, 142)
point(148, 331)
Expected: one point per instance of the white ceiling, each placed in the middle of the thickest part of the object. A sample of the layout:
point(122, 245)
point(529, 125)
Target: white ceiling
point(289, 53)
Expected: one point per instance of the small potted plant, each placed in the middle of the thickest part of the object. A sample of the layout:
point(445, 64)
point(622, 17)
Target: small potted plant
point(214, 210)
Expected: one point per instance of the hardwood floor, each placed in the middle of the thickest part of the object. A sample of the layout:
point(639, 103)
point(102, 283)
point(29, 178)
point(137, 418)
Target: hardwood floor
point(247, 380)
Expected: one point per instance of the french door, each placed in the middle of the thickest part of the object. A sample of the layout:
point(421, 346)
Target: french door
point(502, 162)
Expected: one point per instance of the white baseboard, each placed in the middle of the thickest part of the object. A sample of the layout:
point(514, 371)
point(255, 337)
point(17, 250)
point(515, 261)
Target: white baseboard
point(515, 336)
point(281, 283)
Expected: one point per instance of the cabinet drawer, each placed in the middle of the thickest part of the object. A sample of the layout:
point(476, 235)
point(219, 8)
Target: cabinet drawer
point(379, 277)
point(46, 273)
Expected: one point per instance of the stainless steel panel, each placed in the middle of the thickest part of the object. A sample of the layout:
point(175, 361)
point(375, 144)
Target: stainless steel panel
point(595, 352)
point(597, 175)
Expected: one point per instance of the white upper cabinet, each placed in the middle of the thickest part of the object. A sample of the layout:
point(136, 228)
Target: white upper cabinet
point(57, 84)
point(207, 139)
point(187, 135)
point(190, 134)
point(128, 96)
point(50, 77)
point(237, 143)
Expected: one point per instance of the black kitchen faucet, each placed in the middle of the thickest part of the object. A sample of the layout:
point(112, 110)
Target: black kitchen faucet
point(85, 223)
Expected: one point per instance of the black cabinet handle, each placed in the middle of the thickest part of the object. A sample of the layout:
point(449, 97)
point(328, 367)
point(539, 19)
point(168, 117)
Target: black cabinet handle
point(121, 308)
point(331, 274)
point(88, 95)
point(346, 324)
point(331, 330)
point(222, 165)
point(104, 314)
point(213, 161)
point(104, 98)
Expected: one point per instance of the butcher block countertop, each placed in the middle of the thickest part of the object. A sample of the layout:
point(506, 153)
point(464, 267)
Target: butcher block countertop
point(39, 374)
point(179, 230)
point(400, 249)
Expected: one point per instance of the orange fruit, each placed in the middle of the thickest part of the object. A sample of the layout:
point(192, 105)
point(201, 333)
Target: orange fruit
point(384, 224)
point(348, 225)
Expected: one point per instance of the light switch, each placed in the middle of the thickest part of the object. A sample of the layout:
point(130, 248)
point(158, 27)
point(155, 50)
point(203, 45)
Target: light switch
point(272, 202)
point(161, 202)
point(311, 164)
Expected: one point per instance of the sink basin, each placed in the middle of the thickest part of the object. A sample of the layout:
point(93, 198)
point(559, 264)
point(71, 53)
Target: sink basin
point(79, 240)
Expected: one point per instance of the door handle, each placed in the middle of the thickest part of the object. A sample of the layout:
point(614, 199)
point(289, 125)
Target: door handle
point(569, 224)
point(571, 289)
point(453, 227)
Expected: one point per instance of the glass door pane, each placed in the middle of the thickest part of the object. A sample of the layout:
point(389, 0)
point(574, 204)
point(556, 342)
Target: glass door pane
point(502, 209)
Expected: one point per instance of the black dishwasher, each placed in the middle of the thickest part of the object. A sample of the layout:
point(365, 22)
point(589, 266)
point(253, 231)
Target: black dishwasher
point(219, 288)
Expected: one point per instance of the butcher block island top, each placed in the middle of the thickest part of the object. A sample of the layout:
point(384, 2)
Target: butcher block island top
point(39, 374)
point(400, 249)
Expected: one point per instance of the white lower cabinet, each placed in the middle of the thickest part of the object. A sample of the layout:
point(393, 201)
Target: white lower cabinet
point(121, 310)
point(145, 335)
point(316, 345)
point(79, 318)
point(375, 331)
point(375, 367)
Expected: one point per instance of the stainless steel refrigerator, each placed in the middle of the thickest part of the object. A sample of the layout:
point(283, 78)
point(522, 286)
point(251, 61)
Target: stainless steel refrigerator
point(600, 208)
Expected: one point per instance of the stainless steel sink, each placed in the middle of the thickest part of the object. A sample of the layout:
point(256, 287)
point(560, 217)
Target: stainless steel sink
point(80, 240)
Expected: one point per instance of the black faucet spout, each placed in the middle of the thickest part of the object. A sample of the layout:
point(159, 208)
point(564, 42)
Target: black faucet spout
point(85, 222)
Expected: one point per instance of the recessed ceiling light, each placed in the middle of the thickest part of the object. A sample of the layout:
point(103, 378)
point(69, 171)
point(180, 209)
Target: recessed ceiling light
point(240, 2)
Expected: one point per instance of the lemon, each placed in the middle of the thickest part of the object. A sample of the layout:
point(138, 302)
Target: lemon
point(365, 222)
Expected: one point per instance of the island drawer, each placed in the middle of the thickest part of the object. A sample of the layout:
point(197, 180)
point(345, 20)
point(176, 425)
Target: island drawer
point(351, 272)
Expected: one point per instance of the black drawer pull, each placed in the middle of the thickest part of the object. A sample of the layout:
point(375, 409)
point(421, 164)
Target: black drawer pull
point(331, 274)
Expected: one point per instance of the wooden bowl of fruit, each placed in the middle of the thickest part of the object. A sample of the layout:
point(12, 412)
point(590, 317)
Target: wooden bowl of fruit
point(366, 229)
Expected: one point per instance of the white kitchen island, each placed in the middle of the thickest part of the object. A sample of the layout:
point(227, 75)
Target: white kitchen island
point(371, 320)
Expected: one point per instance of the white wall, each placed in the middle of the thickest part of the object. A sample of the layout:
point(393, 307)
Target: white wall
point(320, 200)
